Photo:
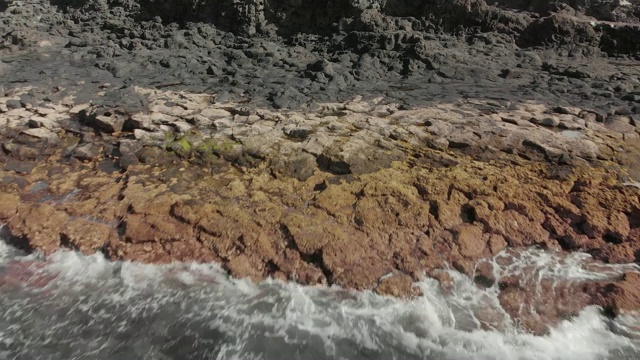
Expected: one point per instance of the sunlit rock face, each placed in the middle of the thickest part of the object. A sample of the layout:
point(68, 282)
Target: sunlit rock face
point(370, 145)
point(320, 198)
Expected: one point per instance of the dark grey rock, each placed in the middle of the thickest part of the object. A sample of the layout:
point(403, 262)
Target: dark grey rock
point(632, 97)
point(299, 133)
point(104, 119)
point(86, 152)
point(287, 98)
point(13, 104)
point(20, 167)
point(294, 53)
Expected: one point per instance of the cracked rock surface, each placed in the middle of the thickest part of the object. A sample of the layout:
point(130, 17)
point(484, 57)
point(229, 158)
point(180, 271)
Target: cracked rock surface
point(354, 143)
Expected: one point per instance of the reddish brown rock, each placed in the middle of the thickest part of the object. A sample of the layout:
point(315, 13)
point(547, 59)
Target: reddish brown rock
point(154, 228)
point(380, 222)
point(483, 274)
point(8, 205)
point(307, 235)
point(87, 236)
point(618, 297)
point(515, 228)
point(538, 306)
point(624, 253)
point(42, 225)
point(243, 267)
point(398, 285)
point(469, 239)
point(444, 279)
point(496, 243)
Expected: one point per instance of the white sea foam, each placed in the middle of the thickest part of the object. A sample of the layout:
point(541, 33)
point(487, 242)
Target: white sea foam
point(5, 251)
point(127, 310)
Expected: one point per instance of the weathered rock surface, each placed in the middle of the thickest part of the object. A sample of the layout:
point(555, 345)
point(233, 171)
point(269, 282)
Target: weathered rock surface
point(362, 200)
point(357, 143)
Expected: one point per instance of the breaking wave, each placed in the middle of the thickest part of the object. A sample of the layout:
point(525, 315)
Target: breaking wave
point(71, 306)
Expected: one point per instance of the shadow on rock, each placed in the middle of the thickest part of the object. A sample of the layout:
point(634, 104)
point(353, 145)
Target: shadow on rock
point(18, 242)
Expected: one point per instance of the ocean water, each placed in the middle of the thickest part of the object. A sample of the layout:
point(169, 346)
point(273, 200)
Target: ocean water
point(71, 306)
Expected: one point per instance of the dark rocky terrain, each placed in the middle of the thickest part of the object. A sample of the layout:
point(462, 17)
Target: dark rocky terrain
point(327, 141)
point(299, 53)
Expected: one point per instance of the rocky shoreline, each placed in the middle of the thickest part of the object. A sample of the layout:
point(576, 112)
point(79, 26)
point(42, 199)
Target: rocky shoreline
point(346, 145)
